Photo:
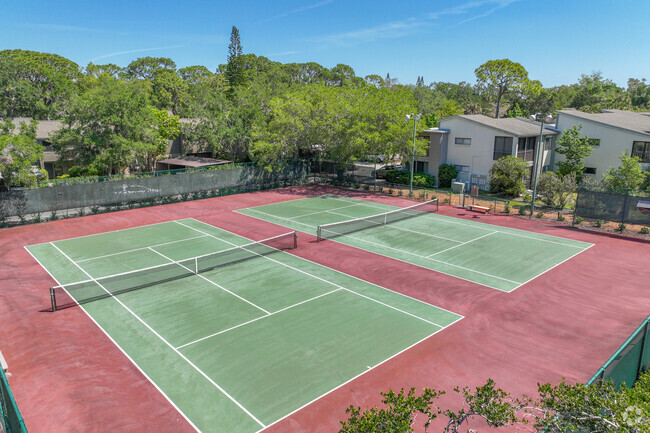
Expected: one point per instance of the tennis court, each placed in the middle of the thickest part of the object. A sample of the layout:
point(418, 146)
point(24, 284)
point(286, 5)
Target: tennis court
point(497, 257)
point(236, 335)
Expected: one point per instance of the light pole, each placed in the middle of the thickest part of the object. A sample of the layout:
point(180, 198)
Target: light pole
point(537, 158)
point(415, 118)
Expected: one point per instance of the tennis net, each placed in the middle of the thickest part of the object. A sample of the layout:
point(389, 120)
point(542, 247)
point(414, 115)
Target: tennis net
point(329, 231)
point(67, 295)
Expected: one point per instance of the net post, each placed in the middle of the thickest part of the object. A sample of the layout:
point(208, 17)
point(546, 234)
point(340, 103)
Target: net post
point(196, 265)
point(437, 205)
point(295, 239)
point(318, 234)
point(53, 299)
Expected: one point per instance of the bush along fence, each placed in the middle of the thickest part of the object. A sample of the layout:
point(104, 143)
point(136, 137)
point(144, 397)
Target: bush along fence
point(81, 198)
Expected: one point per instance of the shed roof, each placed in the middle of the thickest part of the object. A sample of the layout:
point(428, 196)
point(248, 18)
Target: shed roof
point(519, 127)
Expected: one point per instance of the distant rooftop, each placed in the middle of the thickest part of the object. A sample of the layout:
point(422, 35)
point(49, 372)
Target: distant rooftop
point(45, 130)
point(519, 127)
point(629, 120)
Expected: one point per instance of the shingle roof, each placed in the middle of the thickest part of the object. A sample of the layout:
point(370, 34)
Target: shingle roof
point(518, 127)
point(46, 128)
point(629, 120)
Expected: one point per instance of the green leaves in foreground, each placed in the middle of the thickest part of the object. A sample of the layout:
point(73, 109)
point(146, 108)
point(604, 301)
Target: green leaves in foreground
point(561, 408)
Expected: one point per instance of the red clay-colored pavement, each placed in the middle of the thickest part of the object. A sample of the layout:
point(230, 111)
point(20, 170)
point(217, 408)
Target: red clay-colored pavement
point(67, 376)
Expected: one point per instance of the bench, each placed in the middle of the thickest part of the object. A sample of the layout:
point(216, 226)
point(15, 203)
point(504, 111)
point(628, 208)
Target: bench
point(477, 208)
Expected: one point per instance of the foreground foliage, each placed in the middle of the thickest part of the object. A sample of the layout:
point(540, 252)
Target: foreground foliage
point(560, 408)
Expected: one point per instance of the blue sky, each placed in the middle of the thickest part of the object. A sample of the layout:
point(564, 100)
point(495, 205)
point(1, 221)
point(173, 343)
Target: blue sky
point(441, 40)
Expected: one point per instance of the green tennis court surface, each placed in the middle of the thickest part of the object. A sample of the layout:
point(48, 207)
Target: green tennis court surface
point(497, 257)
point(241, 345)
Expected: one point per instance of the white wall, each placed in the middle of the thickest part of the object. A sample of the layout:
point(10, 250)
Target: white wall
point(613, 142)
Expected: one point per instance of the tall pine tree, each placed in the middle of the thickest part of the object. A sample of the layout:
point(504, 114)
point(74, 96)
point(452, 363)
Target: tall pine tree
point(234, 70)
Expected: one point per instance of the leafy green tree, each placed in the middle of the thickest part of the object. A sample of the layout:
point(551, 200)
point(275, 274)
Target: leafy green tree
point(507, 176)
point(556, 190)
point(38, 85)
point(145, 68)
point(514, 111)
point(19, 151)
point(575, 148)
point(599, 407)
point(627, 175)
point(639, 93)
point(499, 78)
point(112, 127)
point(446, 173)
point(593, 93)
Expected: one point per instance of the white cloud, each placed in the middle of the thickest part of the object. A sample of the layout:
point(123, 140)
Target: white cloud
point(138, 50)
point(298, 10)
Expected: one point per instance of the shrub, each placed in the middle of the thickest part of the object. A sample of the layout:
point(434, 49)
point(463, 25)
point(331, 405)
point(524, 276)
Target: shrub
point(420, 180)
point(555, 189)
point(76, 171)
point(599, 223)
point(54, 216)
point(522, 210)
point(539, 215)
point(621, 227)
point(507, 176)
point(644, 230)
point(506, 209)
point(81, 212)
point(446, 173)
point(37, 218)
point(560, 217)
point(579, 220)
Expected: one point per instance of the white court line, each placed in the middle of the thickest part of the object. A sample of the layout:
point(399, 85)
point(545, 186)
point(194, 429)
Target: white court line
point(110, 231)
point(319, 278)
point(554, 266)
point(464, 243)
point(273, 216)
point(211, 282)
point(393, 226)
point(164, 341)
point(259, 318)
point(117, 345)
point(139, 249)
point(321, 211)
point(473, 224)
point(413, 254)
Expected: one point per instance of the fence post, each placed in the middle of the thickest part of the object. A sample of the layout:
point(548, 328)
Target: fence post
point(627, 192)
point(575, 208)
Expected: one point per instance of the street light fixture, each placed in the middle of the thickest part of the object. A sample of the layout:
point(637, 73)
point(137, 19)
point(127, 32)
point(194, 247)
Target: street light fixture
point(537, 158)
point(415, 118)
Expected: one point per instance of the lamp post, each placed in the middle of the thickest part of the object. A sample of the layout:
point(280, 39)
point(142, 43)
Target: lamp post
point(537, 158)
point(415, 118)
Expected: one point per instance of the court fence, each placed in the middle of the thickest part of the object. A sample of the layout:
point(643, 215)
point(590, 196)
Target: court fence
point(78, 197)
point(618, 205)
point(12, 421)
point(629, 361)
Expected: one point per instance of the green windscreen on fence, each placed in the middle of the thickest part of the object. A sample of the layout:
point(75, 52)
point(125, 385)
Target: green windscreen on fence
point(630, 360)
point(613, 204)
point(12, 421)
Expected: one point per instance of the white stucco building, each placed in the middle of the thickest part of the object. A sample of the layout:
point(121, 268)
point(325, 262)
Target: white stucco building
point(612, 133)
point(473, 142)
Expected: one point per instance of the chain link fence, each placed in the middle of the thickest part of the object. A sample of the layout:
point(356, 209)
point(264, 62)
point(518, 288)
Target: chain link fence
point(12, 421)
point(622, 206)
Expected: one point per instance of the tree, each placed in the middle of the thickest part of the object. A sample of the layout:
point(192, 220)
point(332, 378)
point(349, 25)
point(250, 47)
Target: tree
point(144, 68)
point(112, 127)
point(627, 175)
point(556, 190)
point(446, 173)
point(19, 151)
point(561, 408)
point(507, 176)
point(501, 77)
point(575, 149)
point(234, 69)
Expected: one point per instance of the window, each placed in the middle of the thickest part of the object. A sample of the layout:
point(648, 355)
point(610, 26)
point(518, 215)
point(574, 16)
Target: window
point(547, 143)
point(526, 148)
point(502, 147)
point(641, 149)
point(590, 170)
point(594, 141)
point(546, 168)
point(462, 168)
point(421, 167)
point(463, 141)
